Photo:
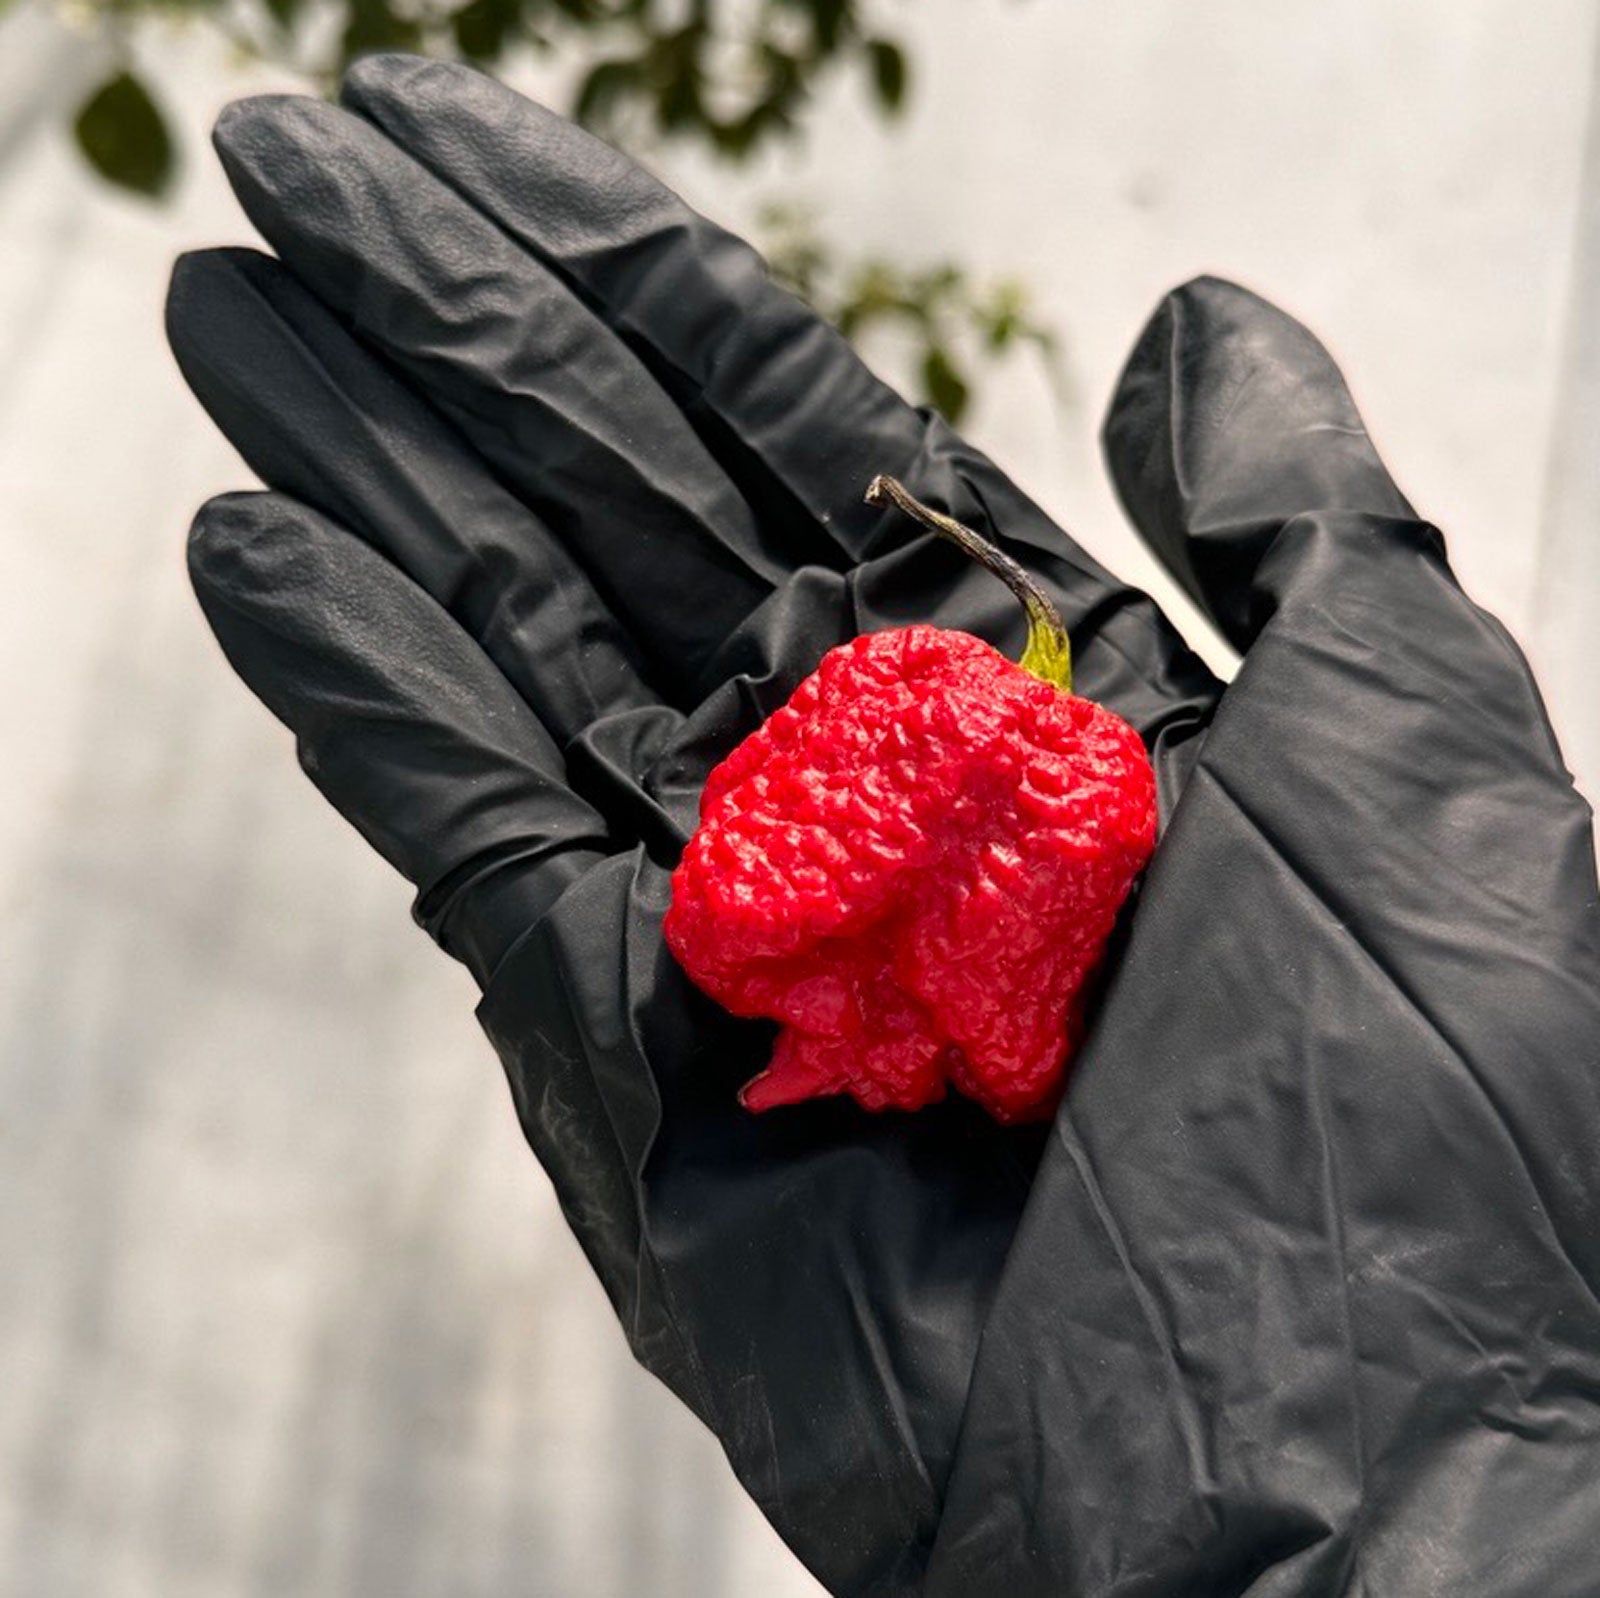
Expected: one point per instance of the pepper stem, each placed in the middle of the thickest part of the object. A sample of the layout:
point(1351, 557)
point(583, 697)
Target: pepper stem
point(1049, 652)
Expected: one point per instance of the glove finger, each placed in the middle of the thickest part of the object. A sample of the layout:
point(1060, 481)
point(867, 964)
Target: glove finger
point(320, 418)
point(1230, 420)
point(795, 418)
point(399, 718)
point(793, 415)
point(562, 411)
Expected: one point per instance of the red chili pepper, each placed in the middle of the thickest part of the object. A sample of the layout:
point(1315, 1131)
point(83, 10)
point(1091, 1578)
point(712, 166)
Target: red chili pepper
point(914, 865)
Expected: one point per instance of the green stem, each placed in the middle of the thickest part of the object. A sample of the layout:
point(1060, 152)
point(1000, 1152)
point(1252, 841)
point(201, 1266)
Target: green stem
point(1049, 652)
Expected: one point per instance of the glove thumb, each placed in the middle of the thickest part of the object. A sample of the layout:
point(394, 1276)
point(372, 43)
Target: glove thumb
point(1229, 420)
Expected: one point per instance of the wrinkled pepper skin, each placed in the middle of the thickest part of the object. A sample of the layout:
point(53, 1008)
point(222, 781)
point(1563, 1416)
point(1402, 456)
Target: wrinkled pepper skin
point(914, 867)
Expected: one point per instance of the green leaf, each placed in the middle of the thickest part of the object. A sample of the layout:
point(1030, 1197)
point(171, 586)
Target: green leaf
point(943, 284)
point(889, 72)
point(606, 84)
point(484, 28)
point(284, 12)
point(373, 26)
point(1003, 317)
point(830, 19)
point(123, 135)
point(944, 385)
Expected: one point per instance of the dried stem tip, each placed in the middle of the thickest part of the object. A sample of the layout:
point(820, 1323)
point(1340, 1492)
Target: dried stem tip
point(1048, 653)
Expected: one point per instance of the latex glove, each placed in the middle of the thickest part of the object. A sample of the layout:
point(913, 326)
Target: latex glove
point(1297, 1295)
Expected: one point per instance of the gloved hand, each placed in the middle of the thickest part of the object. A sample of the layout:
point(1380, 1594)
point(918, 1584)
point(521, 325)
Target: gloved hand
point(1297, 1296)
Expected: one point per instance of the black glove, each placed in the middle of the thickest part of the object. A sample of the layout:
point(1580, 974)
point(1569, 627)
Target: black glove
point(1297, 1295)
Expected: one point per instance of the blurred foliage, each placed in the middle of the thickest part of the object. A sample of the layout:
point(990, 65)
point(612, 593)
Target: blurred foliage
point(124, 136)
point(952, 321)
point(734, 75)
